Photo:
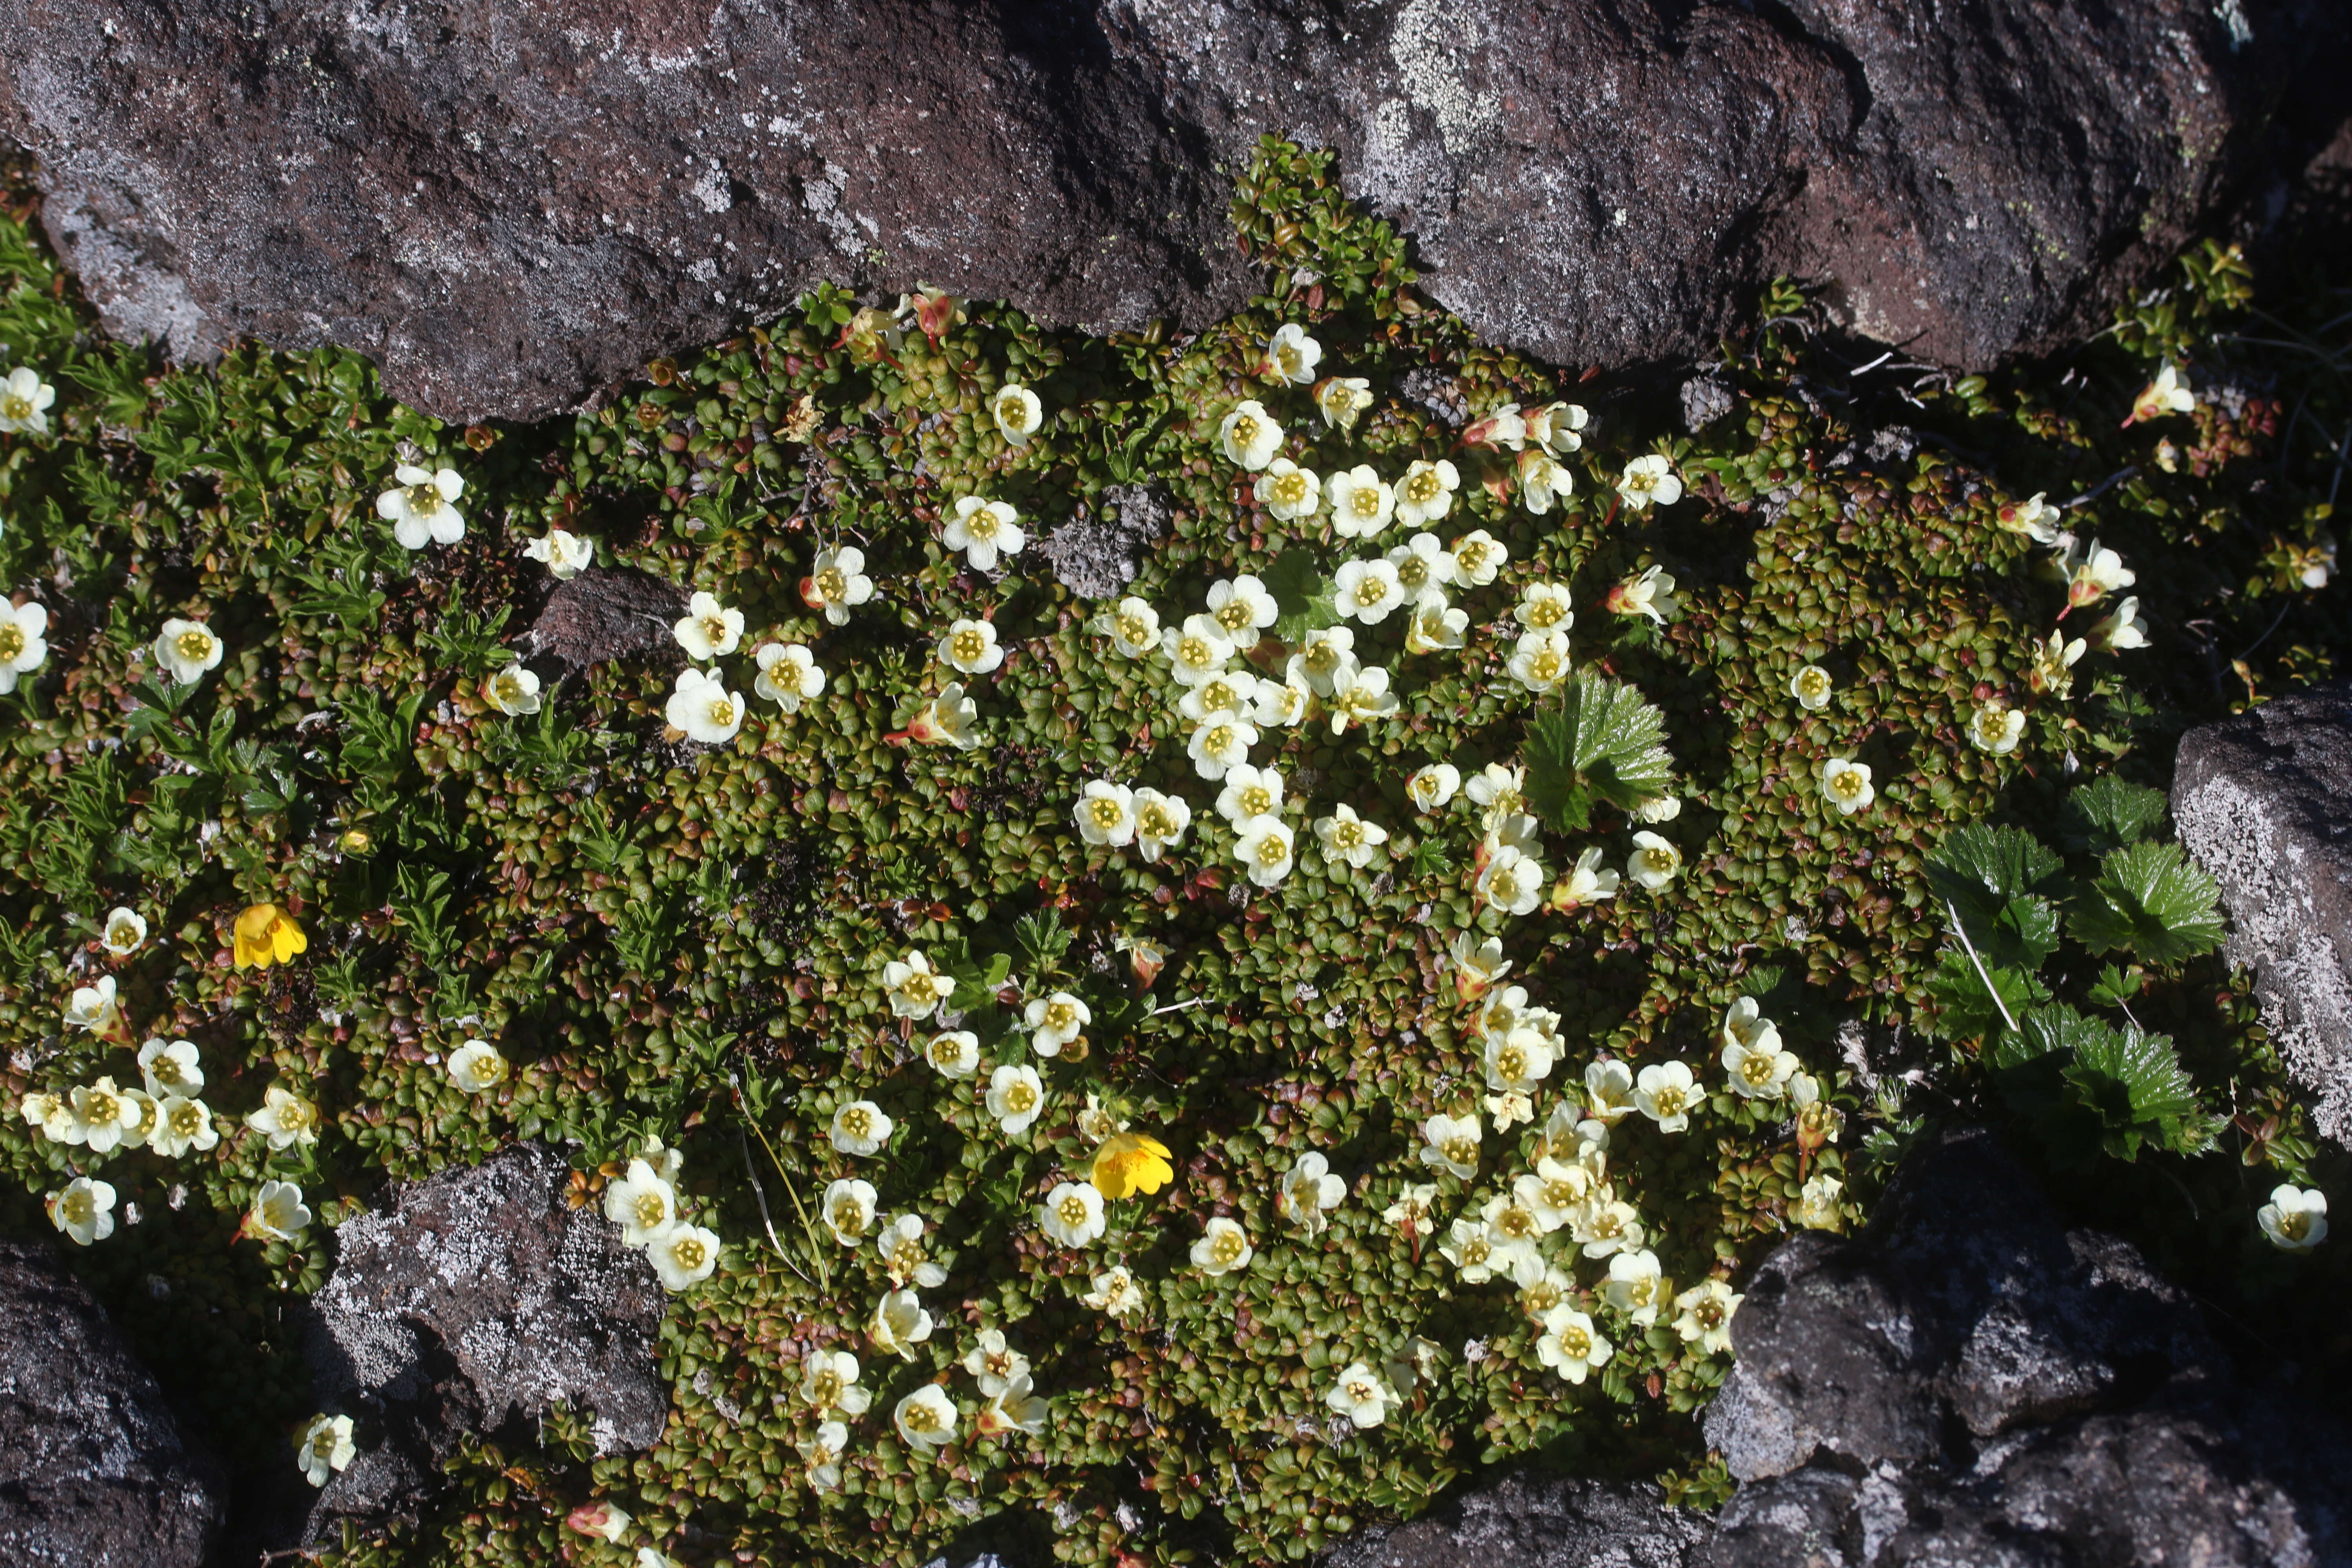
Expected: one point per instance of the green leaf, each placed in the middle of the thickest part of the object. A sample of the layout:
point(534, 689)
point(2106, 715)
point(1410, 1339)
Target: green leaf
point(2107, 814)
point(1043, 940)
point(1993, 875)
point(1305, 598)
point(2131, 1082)
point(2149, 898)
point(420, 901)
point(1965, 1009)
point(1605, 743)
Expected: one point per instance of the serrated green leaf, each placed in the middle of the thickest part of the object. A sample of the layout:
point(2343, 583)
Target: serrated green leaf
point(2149, 898)
point(1992, 876)
point(1966, 1009)
point(1604, 743)
point(2107, 814)
point(1305, 599)
point(2131, 1081)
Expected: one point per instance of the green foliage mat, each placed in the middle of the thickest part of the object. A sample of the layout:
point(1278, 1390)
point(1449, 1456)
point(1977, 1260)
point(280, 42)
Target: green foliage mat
point(665, 939)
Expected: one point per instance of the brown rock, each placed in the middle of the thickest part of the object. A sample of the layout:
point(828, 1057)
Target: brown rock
point(610, 612)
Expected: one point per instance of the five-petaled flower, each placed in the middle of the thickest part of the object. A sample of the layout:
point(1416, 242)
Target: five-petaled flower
point(1342, 399)
point(1129, 1163)
point(420, 506)
point(1016, 1097)
point(2166, 395)
point(565, 554)
point(860, 1127)
point(266, 934)
point(983, 530)
point(1360, 1395)
point(23, 642)
point(788, 675)
point(837, 583)
point(25, 400)
point(709, 629)
point(1223, 1247)
point(701, 705)
point(1654, 861)
point(325, 1448)
point(1649, 480)
point(1017, 412)
point(1054, 1021)
point(1289, 492)
point(971, 648)
point(925, 1419)
point(278, 1213)
point(1651, 594)
point(476, 1066)
point(1291, 355)
point(84, 1210)
point(1811, 686)
point(1348, 839)
point(642, 1203)
point(1249, 435)
point(1846, 783)
point(1426, 492)
point(1451, 1143)
point(1665, 1092)
point(1570, 1345)
point(188, 649)
point(1073, 1213)
point(286, 1118)
point(2295, 1219)
point(1361, 503)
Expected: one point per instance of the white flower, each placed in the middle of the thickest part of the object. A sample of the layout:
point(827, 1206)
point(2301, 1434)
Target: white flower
point(1106, 814)
point(1665, 809)
point(1280, 704)
point(1197, 650)
point(1435, 625)
point(1811, 686)
point(24, 398)
point(564, 554)
point(1477, 556)
point(1570, 1345)
point(2052, 661)
point(182, 1125)
point(1307, 1189)
point(476, 1066)
point(916, 988)
point(1426, 492)
point(1114, 1293)
point(1651, 594)
point(1016, 1097)
point(1478, 964)
point(1816, 1208)
point(325, 1447)
point(993, 1363)
point(602, 1520)
point(1423, 565)
point(169, 1067)
point(925, 1419)
point(701, 705)
point(1509, 1109)
point(1054, 1021)
point(1359, 1396)
point(1544, 607)
point(1249, 792)
point(1655, 862)
point(278, 1213)
point(1995, 729)
point(2165, 394)
point(285, 1118)
point(822, 1453)
point(1588, 882)
point(2295, 1219)
point(2099, 573)
point(642, 1203)
point(1324, 659)
point(1665, 1092)
point(983, 530)
point(1242, 608)
point(1540, 661)
point(84, 1210)
point(1249, 435)
point(1361, 504)
point(1223, 1247)
point(1555, 427)
point(1219, 744)
point(1134, 628)
point(860, 1127)
point(1759, 1068)
point(829, 1384)
point(2033, 517)
point(1605, 1225)
point(951, 716)
point(1232, 692)
point(1609, 1084)
point(1291, 355)
point(1348, 838)
point(1367, 591)
point(1543, 481)
point(1451, 1143)
point(2122, 629)
point(710, 629)
point(1635, 1286)
point(837, 583)
point(1159, 822)
point(898, 1324)
point(1263, 846)
point(1518, 1060)
point(969, 647)
point(684, 1256)
point(92, 1006)
point(1342, 399)
point(1017, 412)
point(1846, 783)
point(1512, 880)
point(899, 1244)
point(1359, 696)
point(419, 510)
point(1706, 1316)
point(1553, 1191)
point(848, 1207)
point(1649, 481)
point(188, 649)
point(1072, 1213)
point(512, 690)
point(23, 644)
point(1470, 1249)
point(788, 675)
point(1430, 787)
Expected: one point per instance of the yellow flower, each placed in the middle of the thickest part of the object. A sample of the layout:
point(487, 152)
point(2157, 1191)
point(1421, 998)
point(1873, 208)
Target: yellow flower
point(266, 934)
point(1131, 1163)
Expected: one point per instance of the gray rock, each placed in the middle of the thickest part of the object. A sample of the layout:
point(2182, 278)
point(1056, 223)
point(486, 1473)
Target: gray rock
point(1436, 390)
point(1095, 554)
point(1532, 1521)
point(510, 206)
point(610, 612)
point(478, 1298)
point(95, 1471)
point(1706, 399)
point(2263, 802)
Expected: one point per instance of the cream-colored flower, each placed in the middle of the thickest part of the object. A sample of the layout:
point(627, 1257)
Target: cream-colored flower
point(916, 989)
point(925, 1419)
point(899, 1244)
point(1223, 1247)
point(1544, 607)
point(1197, 650)
point(2295, 1219)
point(1016, 1407)
point(1605, 1225)
point(1249, 792)
point(848, 1207)
point(1845, 784)
point(1539, 663)
point(1587, 883)
point(476, 1066)
point(1264, 846)
point(983, 531)
point(1359, 1396)
point(1423, 566)
point(1308, 1189)
point(788, 675)
point(1073, 1214)
point(1114, 1293)
point(93, 1006)
point(701, 705)
point(1280, 704)
point(1471, 1250)
point(1367, 591)
point(2097, 575)
point(860, 1127)
point(1554, 1192)
point(2166, 395)
point(1570, 1345)
point(898, 1324)
point(837, 584)
point(709, 629)
point(1134, 628)
point(1654, 861)
point(1243, 608)
point(1411, 1212)
point(285, 1118)
point(955, 1053)
point(564, 554)
point(1054, 1021)
point(1342, 399)
point(1517, 1060)
point(188, 649)
point(1360, 696)
point(1816, 1208)
point(1017, 412)
point(1426, 492)
point(950, 719)
point(1432, 786)
point(993, 1363)
point(1348, 839)
point(2035, 518)
point(1509, 1109)
point(1665, 1092)
point(1636, 1287)
point(1435, 625)
point(603, 1520)
point(84, 1210)
point(1159, 822)
point(2121, 630)
point(1016, 1097)
point(511, 689)
point(25, 399)
point(1704, 1318)
point(684, 1256)
point(829, 1384)
point(278, 1213)
point(24, 643)
point(2053, 662)
point(1477, 556)
point(1542, 482)
point(643, 1203)
point(1556, 426)
point(1232, 692)
point(1811, 686)
point(969, 647)
point(1106, 814)
point(1289, 492)
point(1651, 594)
point(1759, 1068)
point(420, 508)
point(1361, 504)
point(1221, 742)
point(1291, 355)
point(822, 1451)
point(1249, 435)
point(1649, 482)
point(1512, 880)
point(1996, 728)
point(1451, 1143)
point(1478, 964)
point(325, 1448)
point(182, 1125)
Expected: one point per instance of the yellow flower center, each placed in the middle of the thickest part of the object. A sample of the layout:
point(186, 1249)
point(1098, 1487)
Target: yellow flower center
point(1011, 410)
point(77, 1207)
point(1072, 1211)
point(1756, 1071)
point(1134, 630)
point(857, 1122)
point(2294, 1225)
point(104, 1106)
point(1546, 666)
point(507, 689)
point(825, 1389)
point(1476, 1250)
point(1541, 1297)
point(1708, 1311)
point(1364, 502)
point(1423, 488)
point(1060, 1017)
point(922, 1418)
point(714, 630)
point(1669, 1101)
point(1459, 1152)
point(12, 643)
point(1107, 813)
point(1348, 836)
point(424, 499)
point(1020, 1099)
point(194, 647)
point(1288, 490)
point(1245, 432)
point(1518, 1223)
point(1219, 694)
point(1561, 1195)
point(1219, 739)
point(1575, 1345)
point(1545, 612)
point(1412, 574)
point(16, 406)
point(981, 525)
point(830, 584)
point(1813, 685)
point(1227, 1248)
point(651, 1210)
point(1372, 589)
point(847, 1215)
point(1505, 884)
point(1322, 659)
point(1471, 556)
point(1362, 1393)
point(1609, 1222)
point(687, 1252)
point(722, 711)
point(918, 988)
point(186, 1121)
point(1659, 859)
point(1194, 653)
point(1846, 783)
point(1511, 1064)
point(1272, 850)
point(1288, 361)
point(1155, 821)
point(946, 1053)
point(969, 646)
